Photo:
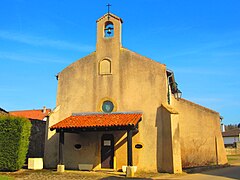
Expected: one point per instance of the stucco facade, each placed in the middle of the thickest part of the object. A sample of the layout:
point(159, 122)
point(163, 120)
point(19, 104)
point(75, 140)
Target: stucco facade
point(133, 83)
point(201, 139)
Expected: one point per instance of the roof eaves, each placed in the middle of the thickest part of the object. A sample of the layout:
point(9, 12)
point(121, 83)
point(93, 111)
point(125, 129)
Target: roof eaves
point(3, 110)
point(111, 15)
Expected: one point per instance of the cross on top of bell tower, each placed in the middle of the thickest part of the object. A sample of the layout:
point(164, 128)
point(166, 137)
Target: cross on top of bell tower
point(108, 6)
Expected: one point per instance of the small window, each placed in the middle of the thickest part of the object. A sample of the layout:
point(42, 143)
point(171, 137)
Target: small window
point(138, 146)
point(105, 67)
point(78, 146)
point(107, 106)
point(109, 29)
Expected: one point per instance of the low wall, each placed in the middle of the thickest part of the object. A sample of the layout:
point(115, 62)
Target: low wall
point(232, 151)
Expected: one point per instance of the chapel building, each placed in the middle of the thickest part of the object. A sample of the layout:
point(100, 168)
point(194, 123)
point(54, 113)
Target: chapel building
point(117, 108)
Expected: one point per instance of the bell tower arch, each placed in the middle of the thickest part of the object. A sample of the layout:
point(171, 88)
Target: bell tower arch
point(109, 32)
point(109, 29)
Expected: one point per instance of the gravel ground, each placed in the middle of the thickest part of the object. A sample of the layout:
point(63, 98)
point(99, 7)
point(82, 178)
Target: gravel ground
point(53, 175)
point(69, 175)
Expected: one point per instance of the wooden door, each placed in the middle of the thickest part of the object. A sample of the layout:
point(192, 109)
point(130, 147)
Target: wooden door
point(107, 151)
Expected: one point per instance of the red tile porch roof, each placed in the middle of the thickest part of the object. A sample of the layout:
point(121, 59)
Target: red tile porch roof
point(98, 120)
point(37, 114)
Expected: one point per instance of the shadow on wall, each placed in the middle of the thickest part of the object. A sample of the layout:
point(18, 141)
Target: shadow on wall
point(50, 150)
point(164, 141)
point(124, 141)
point(159, 125)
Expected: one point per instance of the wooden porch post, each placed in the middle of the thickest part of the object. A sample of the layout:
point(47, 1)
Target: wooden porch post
point(129, 147)
point(61, 143)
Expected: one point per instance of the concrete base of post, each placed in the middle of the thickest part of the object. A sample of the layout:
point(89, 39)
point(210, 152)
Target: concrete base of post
point(60, 168)
point(35, 163)
point(130, 171)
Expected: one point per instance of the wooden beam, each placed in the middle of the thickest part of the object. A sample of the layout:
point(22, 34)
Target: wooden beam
point(98, 129)
point(61, 143)
point(129, 147)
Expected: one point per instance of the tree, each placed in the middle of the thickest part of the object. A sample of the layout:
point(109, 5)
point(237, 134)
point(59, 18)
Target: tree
point(231, 126)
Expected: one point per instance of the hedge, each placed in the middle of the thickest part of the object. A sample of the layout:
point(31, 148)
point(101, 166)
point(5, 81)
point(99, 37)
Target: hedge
point(14, 141)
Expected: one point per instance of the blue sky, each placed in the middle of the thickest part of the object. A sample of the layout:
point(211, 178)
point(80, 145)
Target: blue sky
point(199, 40)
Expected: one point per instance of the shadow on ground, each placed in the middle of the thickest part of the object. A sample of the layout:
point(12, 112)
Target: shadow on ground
point(114, 177)
point(227, 172)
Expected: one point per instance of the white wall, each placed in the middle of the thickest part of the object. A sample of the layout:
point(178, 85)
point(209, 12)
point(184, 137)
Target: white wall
point(230, 140)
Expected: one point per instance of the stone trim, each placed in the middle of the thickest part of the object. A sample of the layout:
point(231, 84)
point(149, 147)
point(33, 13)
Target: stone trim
point(169, 108)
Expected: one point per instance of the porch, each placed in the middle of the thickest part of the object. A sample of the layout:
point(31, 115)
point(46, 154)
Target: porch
point(106, 127)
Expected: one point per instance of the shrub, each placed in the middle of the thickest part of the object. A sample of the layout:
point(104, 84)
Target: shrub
point(14, 141)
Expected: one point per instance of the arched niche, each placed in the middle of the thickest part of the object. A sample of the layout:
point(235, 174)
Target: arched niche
point(105, 67)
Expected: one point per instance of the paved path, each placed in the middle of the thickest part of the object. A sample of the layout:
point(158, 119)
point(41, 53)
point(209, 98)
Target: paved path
point(232, 172)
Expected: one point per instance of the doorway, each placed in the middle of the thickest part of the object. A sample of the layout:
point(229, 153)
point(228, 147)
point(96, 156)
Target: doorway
point(107, 151)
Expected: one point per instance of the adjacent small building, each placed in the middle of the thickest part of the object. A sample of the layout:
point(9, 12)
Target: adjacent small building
point(34, 114)
point(118, 108)
point(38, 118)
point(231, 137)
point(3, 112)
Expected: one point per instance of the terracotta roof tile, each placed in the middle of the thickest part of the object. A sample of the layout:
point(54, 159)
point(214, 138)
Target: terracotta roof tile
point(31, 114)
point(98, 120)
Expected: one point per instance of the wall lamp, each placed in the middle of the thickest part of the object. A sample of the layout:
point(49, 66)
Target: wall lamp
point(176, 92)
point(173, 86)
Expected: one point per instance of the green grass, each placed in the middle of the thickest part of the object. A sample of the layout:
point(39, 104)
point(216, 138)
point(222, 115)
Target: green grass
point(233, 159)
point(5, 178)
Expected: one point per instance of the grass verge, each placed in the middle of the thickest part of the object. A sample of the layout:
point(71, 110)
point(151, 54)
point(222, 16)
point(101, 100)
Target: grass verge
point(233, 159)
point(6, 178)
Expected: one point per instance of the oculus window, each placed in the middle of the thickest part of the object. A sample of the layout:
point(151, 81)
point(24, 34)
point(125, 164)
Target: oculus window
point(107, 106)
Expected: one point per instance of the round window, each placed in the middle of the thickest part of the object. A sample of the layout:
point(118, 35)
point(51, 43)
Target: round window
point(107, 106)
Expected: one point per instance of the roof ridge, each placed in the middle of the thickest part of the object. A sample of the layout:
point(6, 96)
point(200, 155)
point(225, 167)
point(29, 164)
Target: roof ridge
point(30, 110)
point(1, 109)
point(110, 14)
